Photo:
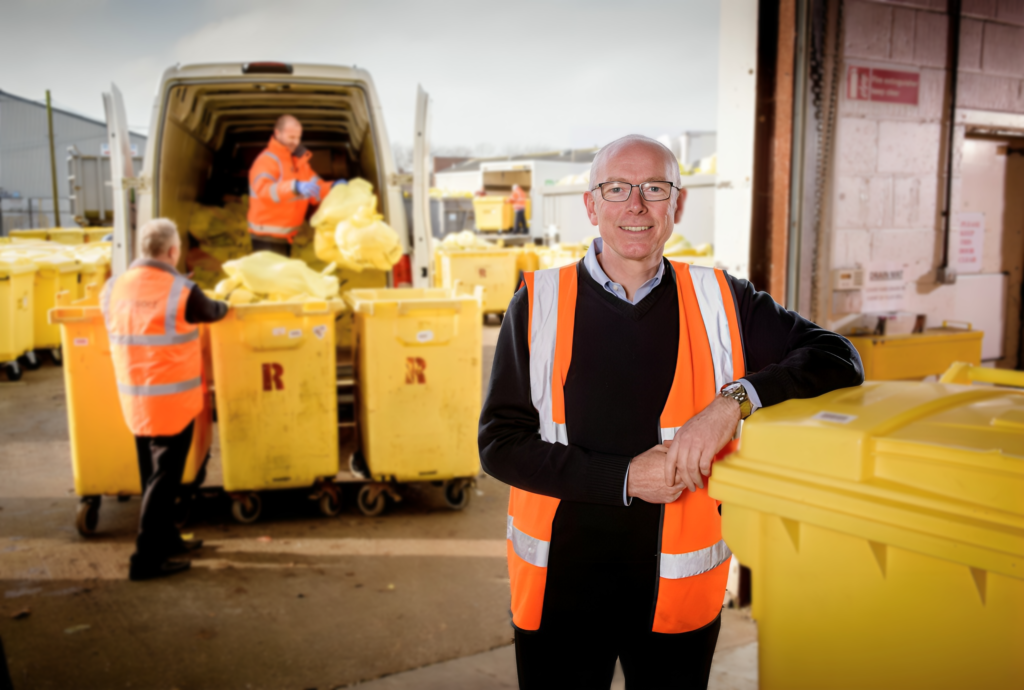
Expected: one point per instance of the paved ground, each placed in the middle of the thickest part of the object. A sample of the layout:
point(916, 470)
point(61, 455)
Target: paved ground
point(294, 601)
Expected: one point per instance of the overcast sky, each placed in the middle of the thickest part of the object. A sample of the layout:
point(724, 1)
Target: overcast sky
point(510, 76)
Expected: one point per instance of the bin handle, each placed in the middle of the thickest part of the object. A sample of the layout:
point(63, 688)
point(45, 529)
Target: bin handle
point(404, 307)
point(947, 324)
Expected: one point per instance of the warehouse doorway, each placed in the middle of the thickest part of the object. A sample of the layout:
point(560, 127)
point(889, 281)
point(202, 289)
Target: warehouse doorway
point(991, 227)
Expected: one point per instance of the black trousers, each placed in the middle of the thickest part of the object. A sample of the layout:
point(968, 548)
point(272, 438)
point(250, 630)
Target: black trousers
point(161, 466)
point(582, 656)
point(266, 244)
point(520, 223)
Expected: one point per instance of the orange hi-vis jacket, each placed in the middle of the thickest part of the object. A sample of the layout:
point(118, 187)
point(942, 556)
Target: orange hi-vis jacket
point(694, 559)
point(157, 354)
point(275, 208)
point(518, 200)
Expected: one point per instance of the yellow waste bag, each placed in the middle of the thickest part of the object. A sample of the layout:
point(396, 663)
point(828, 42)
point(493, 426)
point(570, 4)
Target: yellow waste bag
point(278, 278)
point(342, 202)
point(367, 242)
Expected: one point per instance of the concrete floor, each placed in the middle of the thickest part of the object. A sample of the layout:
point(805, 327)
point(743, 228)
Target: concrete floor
point(293, 601)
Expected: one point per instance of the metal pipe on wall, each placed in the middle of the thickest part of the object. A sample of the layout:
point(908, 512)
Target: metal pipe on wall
point(53, 163)
point(947, 274)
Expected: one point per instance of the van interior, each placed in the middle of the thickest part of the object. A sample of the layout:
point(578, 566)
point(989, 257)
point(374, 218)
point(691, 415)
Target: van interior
point(212, 133)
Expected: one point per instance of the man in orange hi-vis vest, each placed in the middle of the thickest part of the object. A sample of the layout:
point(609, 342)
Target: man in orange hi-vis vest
point(518, 201)
point(616, 382)
point(282, 185)
point(150, 312)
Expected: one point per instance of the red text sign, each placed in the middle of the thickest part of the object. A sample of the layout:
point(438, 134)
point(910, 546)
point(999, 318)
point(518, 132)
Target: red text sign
point(882, 85)
point(272, 377)
point(414, 368)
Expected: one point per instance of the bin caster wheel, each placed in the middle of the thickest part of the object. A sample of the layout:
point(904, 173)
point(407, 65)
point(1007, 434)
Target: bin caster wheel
point(457, 493)
point(88, 516)
point(247, 509)
point(371, 500)
point(13, 371)
point(57, 355)
point(30, 361)
point(330, 504)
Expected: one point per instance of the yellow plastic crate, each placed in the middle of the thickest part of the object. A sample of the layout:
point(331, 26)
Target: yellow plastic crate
point(103, 456)
point(16, 313)
point(492, 213)
point(67, 235)
point(418, 382)
point(884, 528)
point(276, 394)
point(494, 270)
point(916, 355)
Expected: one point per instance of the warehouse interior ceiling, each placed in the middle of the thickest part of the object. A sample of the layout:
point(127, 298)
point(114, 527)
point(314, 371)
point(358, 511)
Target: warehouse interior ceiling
point(212, 133)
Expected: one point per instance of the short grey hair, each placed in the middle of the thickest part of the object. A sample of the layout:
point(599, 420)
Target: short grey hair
point(608, 149)
point(157, 237)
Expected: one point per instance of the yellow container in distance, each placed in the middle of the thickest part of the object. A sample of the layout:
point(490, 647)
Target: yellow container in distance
point(494, 270)
point(492, 213)
point(916, 355)
point(16, 313)
point(884, 528)
point(419, 382)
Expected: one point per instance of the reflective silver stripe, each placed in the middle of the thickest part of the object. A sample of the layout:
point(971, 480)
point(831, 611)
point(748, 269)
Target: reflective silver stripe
point(266, 175)
point(675, 566)
point(160, 389)
point(274, 194)
point(176, 339)
point(271, 229)
point(280, 168)
point(544, 331)
point(716, 322)
point(532, 550)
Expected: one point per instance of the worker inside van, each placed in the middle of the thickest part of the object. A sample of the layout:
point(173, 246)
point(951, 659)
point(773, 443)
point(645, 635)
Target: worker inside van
point(282, 185)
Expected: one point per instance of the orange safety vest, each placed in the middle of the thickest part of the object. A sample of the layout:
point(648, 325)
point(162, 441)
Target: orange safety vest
point(275, 209)
point(157, 356)
point(694, 560)
point(518, 200)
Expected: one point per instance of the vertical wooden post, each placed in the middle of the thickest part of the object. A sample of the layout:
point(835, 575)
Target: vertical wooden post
point(53, 163)
point(782, 153)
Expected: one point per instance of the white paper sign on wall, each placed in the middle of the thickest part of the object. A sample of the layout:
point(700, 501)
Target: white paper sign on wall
point(884, 286)
point(970, 241)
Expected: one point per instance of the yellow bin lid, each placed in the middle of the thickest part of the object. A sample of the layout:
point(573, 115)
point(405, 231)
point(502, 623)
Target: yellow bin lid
point(937, 467)
point(13, 266)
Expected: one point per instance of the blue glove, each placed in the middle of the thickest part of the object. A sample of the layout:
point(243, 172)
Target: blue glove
point(337, 182)
point(309, 189)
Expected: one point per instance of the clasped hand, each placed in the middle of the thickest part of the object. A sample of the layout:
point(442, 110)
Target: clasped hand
point(660, 474)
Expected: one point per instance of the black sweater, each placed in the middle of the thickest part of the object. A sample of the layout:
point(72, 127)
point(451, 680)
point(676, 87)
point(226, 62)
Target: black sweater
point(619, 377)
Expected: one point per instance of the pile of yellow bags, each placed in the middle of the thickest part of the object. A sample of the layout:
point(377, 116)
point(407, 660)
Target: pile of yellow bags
point(270, 277)
point(222, 235)
point(678, 245)
point(467, 239)
point(350, 233)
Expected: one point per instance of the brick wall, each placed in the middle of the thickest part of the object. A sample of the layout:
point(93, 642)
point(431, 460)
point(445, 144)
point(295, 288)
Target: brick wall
point(887, 176)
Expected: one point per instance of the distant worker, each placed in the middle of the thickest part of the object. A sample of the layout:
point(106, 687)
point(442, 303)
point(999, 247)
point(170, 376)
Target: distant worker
point(518, 201)
point(616, 382)
point(281, 187)
point(151, 311)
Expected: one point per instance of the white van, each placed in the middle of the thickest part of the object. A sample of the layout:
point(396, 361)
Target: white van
point(211, 121)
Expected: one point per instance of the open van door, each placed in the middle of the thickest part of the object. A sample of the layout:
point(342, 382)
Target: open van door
point(122, 180)
point(422, 268)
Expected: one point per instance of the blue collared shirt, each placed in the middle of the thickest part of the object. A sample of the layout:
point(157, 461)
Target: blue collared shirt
point(592, 265)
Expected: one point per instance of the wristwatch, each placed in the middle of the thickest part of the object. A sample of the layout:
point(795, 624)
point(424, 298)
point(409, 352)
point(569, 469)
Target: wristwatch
point(738, 392)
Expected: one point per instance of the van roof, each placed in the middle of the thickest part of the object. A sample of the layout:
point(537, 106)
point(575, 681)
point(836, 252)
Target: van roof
point(233, 70)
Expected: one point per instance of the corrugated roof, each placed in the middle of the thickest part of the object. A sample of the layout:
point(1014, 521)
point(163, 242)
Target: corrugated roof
point(62, 111)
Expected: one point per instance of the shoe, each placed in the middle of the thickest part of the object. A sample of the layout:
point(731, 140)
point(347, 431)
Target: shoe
point(150, 571)
point(188, 546)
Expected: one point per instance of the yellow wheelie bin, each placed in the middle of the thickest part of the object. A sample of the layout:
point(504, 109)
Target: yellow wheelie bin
point(276, 397)
point(103, 456)
point(884, 529)
point(417, 390)
point(37, 234)
point(16, 313)
point(494, 270)
point(57, 271)
point(67, 235)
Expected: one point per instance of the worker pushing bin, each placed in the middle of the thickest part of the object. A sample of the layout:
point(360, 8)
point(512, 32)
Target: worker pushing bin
point(276, 398)
point(16, 313)
point(495, 270)
point(884, 528)
point(418, 378)
point(104, 459)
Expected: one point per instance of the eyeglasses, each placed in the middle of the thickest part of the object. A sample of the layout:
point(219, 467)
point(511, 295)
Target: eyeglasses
point(650, 191)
